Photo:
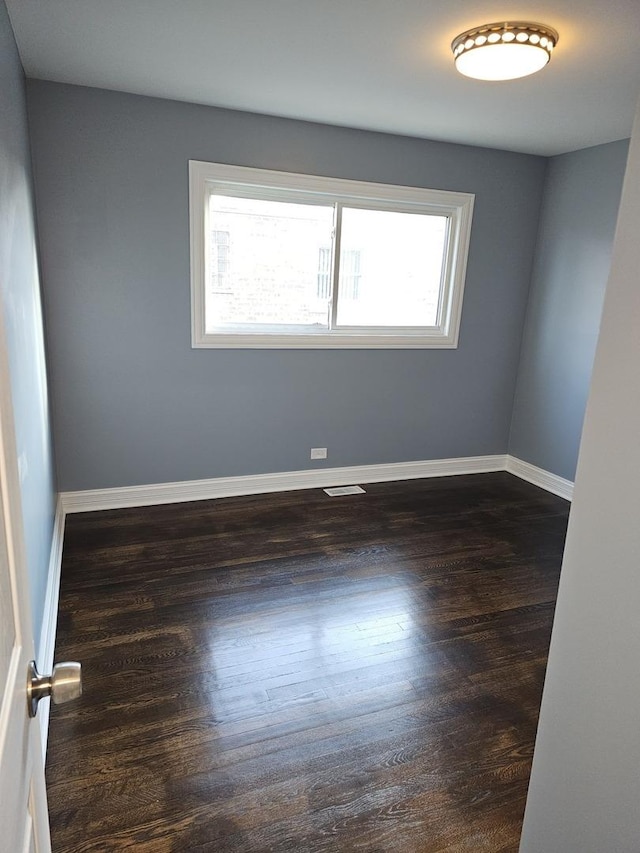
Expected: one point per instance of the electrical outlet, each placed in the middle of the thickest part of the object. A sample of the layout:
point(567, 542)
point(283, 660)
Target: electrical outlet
point(318, 453)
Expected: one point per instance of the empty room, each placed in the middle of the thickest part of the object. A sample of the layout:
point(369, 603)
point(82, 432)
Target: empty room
point(319, 354)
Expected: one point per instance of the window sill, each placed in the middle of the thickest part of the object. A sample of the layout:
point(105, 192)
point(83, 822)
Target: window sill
point(326, 341)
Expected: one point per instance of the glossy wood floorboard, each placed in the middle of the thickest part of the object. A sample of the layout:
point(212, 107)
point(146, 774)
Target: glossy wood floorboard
point(301, 673)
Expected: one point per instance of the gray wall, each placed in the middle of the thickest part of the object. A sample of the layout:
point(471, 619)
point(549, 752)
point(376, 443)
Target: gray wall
point(135, 404)
point(21, 308)
point(583, 796)
point(579, 210)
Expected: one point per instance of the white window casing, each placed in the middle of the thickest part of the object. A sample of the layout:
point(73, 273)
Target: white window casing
point(206, 179)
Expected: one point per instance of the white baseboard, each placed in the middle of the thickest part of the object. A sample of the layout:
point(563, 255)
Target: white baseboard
point(224, 487)
point(46, 648)
point(539, 477)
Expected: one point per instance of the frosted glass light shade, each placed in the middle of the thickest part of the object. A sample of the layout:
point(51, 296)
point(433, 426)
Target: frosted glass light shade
point(503, 51)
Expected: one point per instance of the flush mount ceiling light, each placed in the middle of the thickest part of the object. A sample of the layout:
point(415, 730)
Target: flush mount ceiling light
point(503, 51)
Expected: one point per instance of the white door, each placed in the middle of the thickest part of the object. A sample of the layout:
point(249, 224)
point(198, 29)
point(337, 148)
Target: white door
point(24, 825)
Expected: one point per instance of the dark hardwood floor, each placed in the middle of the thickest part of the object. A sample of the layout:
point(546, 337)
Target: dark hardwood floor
point(295, 672)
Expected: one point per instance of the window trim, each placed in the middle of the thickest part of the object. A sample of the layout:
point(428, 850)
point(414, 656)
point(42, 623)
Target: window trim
point(457, 206)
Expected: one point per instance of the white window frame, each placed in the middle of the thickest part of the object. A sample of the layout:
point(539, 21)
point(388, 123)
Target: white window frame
point(458, 207)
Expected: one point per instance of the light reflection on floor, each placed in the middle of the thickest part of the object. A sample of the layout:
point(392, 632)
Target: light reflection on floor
point(265, 661)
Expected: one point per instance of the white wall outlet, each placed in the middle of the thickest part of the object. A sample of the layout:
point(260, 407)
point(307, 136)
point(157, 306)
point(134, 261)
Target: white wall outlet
point(318, 452)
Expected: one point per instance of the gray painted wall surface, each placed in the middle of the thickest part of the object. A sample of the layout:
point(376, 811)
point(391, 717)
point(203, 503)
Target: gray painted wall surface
point(579, 211)
point(21, 308)
point(135, 404)
point(583, 795)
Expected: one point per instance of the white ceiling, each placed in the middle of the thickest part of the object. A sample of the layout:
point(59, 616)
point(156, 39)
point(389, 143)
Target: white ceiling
point(376, 64)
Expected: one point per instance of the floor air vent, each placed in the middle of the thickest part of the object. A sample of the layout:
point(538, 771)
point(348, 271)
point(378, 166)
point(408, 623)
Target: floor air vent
point(344, 490)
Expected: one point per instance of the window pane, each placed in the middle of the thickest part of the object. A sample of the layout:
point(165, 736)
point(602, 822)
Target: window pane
point(269, 263)
point(390, 268)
